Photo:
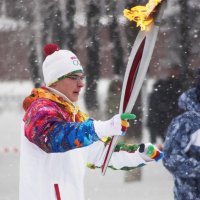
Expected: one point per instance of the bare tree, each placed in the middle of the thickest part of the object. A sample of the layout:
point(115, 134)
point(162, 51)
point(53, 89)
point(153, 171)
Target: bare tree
point(46, 21)
point(182, 30)
point(115, 37)
point(70, 28)
point(93, 66)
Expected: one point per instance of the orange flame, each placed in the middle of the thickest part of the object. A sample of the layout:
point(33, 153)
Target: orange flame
point(142, 14)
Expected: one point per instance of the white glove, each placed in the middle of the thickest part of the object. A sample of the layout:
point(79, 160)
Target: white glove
point(149, 152)
point(108, 128)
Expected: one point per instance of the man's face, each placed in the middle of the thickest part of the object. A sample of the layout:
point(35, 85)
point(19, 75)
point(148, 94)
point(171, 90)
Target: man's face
point(71, 86)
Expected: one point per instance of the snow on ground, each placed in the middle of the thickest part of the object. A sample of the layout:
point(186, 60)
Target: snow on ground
point(156, 182)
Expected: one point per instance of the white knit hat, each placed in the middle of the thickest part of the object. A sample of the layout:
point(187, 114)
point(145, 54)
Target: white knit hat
point(58, 64)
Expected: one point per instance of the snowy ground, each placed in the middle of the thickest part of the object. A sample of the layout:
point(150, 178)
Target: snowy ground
point(156, 182)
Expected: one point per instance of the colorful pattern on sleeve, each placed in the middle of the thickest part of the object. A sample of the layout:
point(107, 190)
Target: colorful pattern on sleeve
point(50, 123)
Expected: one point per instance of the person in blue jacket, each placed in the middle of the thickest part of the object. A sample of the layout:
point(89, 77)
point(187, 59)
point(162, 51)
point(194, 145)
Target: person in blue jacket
point(182, 147)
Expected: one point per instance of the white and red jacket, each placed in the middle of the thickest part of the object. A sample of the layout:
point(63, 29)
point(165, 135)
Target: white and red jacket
point(54, 169)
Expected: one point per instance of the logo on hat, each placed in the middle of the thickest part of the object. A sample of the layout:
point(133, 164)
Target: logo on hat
point(75, 61)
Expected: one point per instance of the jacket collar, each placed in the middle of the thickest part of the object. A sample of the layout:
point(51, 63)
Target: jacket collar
point(51, 94)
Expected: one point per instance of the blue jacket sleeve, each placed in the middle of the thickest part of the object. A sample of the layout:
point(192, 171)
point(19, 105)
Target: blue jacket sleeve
point(176, 160)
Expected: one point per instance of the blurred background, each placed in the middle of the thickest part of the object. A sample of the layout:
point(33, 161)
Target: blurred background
point(102, 39)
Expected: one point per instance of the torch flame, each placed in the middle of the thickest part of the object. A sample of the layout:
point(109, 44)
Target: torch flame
point(142, 14)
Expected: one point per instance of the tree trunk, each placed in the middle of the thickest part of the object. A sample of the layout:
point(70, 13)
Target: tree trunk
point(70, 29)
point(115, 38)
point(93, 66)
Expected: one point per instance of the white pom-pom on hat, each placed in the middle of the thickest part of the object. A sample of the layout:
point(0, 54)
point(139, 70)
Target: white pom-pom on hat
point(58, 63)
